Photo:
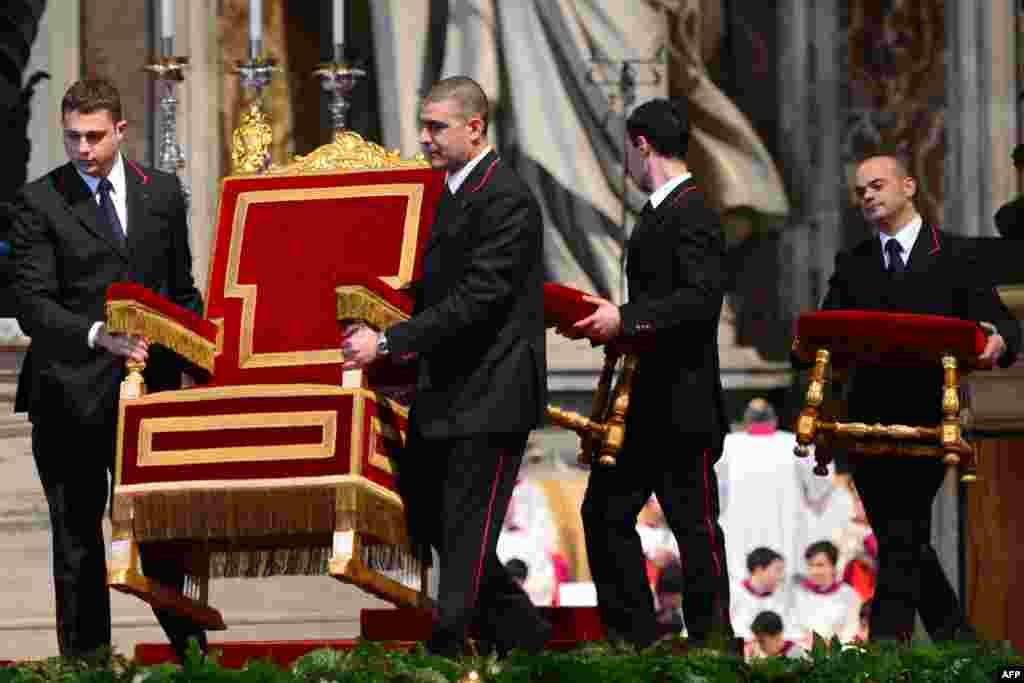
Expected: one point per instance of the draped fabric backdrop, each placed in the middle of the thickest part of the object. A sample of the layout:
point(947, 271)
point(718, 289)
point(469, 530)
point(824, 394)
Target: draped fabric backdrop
point(560, 118)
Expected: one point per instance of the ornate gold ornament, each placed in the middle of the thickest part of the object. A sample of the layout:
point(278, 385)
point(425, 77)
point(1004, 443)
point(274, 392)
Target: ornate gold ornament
point(250, 143)
point(349, 151)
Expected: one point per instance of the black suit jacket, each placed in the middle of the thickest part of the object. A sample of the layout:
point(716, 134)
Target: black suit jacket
point(65, 258)
point(478, 326)
point(674, 265)
point(944, 277)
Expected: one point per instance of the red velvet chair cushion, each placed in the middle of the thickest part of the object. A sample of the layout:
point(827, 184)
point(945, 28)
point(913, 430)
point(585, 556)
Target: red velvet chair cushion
point(564, 305)
point(889, 339)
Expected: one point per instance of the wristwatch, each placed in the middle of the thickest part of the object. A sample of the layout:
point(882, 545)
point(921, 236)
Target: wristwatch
point(382, 345)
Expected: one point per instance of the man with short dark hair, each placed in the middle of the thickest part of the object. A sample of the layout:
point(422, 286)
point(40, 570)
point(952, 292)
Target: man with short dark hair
point(676, 421)
point(478, 329)
point(909, 266)
point(98, 219)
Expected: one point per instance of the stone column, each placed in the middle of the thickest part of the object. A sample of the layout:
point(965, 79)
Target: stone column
point(809, 120)
point(56, 52)
point(198, 124)
point(982, 113)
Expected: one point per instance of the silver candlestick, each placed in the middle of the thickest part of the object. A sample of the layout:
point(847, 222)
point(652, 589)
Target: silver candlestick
point(256, 72)
point(251, 140)
point(339, 78)
point(170, 71)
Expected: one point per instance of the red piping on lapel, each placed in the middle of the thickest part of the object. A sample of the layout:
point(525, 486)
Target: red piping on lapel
point(138, 169)
point(935, 239)
point(686, 191)
point(487, 175)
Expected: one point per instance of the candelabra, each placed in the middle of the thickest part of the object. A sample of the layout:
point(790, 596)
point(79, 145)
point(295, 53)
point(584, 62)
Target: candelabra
point(170, 71)
point(251, 140)
point(339, 78)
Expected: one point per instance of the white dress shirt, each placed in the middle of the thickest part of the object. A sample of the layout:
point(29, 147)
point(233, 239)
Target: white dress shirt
point(905, 236)
point(659, 195)
point(119, 196)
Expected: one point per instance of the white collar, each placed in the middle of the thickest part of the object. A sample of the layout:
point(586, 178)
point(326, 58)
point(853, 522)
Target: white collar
point(905, 236)
point(455, 180)
point(116, 177)
point(659, 195)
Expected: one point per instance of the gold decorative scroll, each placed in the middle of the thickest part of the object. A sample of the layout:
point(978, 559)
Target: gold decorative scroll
point(132, 317)
point(347, 152)
point(250, 143)
point(358, 303)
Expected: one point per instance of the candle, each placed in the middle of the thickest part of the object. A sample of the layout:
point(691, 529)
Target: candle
point(167, 18)
point(255, 20)
point(339, 22)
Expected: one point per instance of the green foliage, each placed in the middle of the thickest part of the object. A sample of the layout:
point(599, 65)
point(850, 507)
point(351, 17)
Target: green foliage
point(666, 662)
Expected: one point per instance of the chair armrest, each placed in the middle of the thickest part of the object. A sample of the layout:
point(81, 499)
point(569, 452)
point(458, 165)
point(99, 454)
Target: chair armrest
point(374, 301)
point(133, 309)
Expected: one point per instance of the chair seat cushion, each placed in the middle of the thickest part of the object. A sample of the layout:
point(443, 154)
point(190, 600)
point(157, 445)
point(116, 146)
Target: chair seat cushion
point(890, 339)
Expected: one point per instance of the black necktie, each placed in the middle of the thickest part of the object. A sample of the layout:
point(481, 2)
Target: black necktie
point(892, 250)
point(647, 210)
point(108, 212)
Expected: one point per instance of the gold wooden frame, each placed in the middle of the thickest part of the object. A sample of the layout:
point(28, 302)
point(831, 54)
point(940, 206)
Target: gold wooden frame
point(943, 441)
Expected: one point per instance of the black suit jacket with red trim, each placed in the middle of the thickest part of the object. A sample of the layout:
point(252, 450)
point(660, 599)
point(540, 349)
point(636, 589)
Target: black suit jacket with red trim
point(65, 258)
point(674, 265)
point(478, 326)
point(944, 276)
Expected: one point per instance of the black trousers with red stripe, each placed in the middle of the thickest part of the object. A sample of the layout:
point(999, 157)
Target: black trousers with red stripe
point(679, 470)
point(457, 492)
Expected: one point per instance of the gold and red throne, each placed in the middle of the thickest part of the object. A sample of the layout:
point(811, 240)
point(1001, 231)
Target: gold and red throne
point(276, 461)
point(845, 339)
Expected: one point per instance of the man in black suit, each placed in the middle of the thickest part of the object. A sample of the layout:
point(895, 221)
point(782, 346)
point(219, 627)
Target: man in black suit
point(98, 219)
point(478, 329)
point(910, 267)
point(676, 422)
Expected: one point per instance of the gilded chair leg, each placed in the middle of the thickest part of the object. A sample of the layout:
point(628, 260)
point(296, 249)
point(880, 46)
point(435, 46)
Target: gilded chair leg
point(951, 434)
point(124, 574)
point(590, 443)
point(807, 423)
point(616, 423)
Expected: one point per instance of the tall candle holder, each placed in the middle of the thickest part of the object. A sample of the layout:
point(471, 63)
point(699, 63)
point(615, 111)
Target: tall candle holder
point(251, 140)
point(339, 78)
point(169, 71)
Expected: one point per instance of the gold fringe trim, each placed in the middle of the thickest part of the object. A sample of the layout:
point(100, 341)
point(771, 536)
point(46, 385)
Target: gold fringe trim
point(266, 531)
point(132, 317)
point(356, 302)
point(238, 515)
point(363, 510)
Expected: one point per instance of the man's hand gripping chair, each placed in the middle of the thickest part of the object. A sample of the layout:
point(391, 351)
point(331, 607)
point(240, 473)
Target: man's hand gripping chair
point(845, 339)
point(279, 462)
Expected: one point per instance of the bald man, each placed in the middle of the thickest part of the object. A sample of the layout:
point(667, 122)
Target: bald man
point(909, 266)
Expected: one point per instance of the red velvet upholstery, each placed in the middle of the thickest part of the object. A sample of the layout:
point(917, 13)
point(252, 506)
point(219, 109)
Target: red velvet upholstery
point(889, 339)
point(282, 246)
point(129, 291)
point(564, 305)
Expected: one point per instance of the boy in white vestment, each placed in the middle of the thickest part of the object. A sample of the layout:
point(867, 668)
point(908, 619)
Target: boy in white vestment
point(821, 603)
point(763, 590)
point(769, 640)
